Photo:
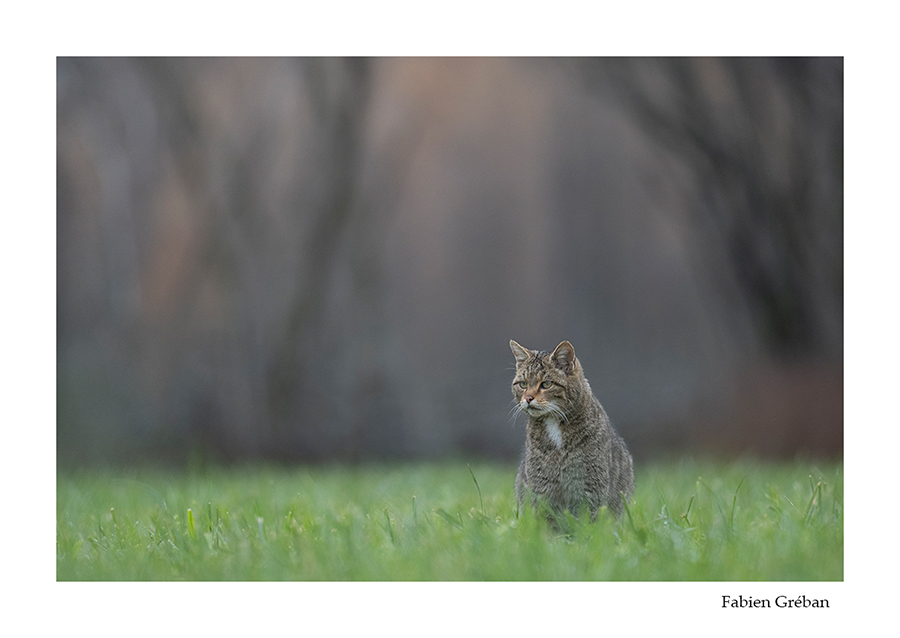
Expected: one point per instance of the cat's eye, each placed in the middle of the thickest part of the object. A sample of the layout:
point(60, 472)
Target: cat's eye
point(546, 384)
point(522, 384)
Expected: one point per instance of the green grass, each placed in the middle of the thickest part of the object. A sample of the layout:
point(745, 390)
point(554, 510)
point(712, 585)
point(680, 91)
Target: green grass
point(687, 521)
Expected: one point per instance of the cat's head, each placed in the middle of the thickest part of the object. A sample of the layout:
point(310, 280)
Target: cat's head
point(545, 381)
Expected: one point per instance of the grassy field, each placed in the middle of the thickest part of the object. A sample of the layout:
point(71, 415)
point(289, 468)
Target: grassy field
point(450, 521)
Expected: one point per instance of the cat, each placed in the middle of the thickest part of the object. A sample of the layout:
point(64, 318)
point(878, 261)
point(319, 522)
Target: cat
point(573, 458)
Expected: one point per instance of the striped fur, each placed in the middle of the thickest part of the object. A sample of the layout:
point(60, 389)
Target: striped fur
point(573, 458)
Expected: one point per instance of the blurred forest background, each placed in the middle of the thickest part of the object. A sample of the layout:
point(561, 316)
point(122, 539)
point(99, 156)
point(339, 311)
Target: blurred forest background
point(325, 259)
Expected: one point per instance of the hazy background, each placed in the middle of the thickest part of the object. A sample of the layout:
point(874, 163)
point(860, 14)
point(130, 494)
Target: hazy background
point(314, 259)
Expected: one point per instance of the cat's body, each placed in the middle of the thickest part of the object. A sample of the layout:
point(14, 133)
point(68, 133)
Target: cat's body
point(573, 458)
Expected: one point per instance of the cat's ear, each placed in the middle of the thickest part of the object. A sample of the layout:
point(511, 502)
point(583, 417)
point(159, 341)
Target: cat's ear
point(564, 357)
point(520, 353)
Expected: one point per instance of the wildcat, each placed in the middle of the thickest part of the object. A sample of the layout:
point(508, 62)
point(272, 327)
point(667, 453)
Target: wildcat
point(573, 458)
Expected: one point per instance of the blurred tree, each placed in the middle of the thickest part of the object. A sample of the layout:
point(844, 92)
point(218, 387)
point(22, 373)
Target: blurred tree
point(763, 139)
point(338, 92)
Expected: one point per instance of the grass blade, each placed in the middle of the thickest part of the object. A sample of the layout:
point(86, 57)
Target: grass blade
point(813, 505)
point(447, 517)
point(685, 515)
point(733, 504)
point(388, 525)
point(477, 488)
point(192, 529)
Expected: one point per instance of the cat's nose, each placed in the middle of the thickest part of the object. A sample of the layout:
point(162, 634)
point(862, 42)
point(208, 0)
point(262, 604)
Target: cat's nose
point(528, 398)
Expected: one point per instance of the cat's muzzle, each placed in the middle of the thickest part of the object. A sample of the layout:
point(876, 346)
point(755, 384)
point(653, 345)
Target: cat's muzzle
point(532, 409)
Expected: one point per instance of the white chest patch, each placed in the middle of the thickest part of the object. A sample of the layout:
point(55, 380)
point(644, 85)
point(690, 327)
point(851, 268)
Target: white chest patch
point(551, 425)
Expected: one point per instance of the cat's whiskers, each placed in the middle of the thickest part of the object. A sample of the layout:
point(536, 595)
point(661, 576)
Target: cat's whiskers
point(515, 411)
point(558, 412)
point(537, 410)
